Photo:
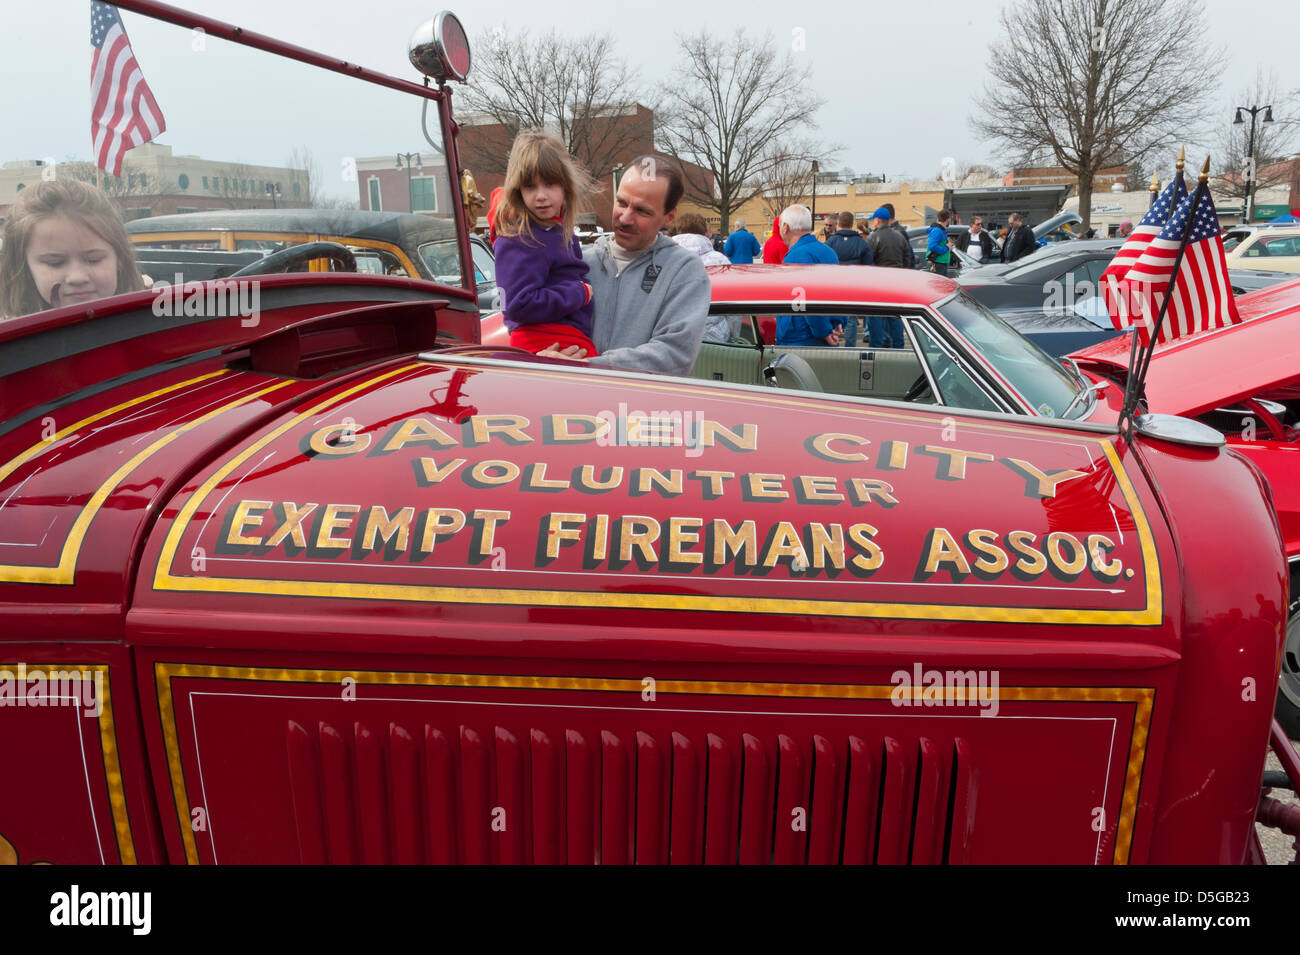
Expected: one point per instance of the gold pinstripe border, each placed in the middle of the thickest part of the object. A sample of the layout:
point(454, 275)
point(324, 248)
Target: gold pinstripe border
point(64, 571)
point(1149, 615)
point(108, 748)
point(1141, 696)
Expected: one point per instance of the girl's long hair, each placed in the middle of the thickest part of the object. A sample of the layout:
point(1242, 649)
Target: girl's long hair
point(75, 200)
point(539, 155)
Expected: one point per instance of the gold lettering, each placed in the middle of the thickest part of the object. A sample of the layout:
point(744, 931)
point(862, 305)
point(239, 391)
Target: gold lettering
point(1075, 564)
point(643, 540)
point(766, 486)
point(429, 472)
point(336, 517)
point(490, 521)
point(785, 543)
point(1105, 570)
point(557, 531)
point(1041, 483)
point(863, 490)
point(742, 542)
point(821, 447)
point(417, 431)
point(320, 443)
point(668, 485)
point(819, 488)
point(586, 480)
point(509, 426)
point(481, 472)
point(952, 464)
point(872, 557)
point(711, 432)
point(679, 535)
point(379, 526)
point(827, 542)
point(244, 518)
point(292, 526)
point(1032, 563)
point(994, 558)
point(944, 550)
point(560, 427)
point(440, 522)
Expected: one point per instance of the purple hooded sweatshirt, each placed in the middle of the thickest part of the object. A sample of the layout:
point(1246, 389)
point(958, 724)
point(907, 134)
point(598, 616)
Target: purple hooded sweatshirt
point(541, 279)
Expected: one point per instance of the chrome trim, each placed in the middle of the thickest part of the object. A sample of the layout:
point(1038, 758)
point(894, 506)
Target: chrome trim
point(960, 362)
point(1093, 427)
point(925, 365)
point(1172, 428)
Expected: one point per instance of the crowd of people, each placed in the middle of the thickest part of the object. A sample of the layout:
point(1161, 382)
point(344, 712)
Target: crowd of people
point(636, 298)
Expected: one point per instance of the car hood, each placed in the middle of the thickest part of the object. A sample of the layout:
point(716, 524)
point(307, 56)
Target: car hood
point(1193, 375)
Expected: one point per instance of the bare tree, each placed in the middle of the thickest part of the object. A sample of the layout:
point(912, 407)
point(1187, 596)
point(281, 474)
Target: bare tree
point(735, 108)
point(1094, 82)
point(302, 159)
point(577, 87)
point(786, 178)
point(963, 172)
point(1274, 141)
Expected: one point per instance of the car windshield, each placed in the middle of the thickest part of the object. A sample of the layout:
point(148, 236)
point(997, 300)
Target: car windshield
point(232, 150)
point(1044, 383)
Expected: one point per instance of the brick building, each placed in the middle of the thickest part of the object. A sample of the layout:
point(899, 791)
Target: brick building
point(156, 182)
point(615, 138)
point(1057, 176)
point(384, 186)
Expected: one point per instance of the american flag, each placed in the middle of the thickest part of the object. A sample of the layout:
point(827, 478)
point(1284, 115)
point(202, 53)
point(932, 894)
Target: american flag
point(1202, 298)
point(123, 112)
point(1122, 300)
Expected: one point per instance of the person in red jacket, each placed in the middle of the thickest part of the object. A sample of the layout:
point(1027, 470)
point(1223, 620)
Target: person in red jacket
point(774, 249)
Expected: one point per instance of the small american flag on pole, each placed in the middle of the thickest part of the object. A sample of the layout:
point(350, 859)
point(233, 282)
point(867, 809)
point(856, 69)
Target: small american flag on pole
point(123, 112)
point(1202, 297)
point(1124, 302)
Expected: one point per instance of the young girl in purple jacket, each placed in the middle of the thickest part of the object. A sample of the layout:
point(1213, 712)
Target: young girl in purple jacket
point(545, 298)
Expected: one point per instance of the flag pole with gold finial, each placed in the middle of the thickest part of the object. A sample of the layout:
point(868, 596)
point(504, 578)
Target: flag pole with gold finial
point(1137, 376)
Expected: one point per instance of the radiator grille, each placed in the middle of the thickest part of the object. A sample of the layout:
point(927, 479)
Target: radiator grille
point(493, 794)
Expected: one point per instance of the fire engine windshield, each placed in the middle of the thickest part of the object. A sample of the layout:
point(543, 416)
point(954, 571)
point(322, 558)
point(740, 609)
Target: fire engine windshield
point(139, 153)
point(1042, 381)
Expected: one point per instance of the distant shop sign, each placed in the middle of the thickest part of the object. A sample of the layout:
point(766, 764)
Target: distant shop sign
point(1271, 212)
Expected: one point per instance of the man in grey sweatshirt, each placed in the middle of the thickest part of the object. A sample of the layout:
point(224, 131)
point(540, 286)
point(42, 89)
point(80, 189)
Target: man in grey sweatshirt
point(650, 295)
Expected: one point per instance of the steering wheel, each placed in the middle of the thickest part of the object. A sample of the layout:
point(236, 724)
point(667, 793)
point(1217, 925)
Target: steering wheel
point(296, 257)
point(918, 388)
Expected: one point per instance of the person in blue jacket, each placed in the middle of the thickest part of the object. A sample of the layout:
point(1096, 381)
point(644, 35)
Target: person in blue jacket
point(936, 243)
point(805, 249)
point(741, 246)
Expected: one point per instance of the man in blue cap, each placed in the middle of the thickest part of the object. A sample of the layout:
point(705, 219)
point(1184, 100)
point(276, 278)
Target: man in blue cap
point(890, 249)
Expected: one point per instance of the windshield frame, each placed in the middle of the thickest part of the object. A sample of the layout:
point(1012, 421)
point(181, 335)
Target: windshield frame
point(1008, 373)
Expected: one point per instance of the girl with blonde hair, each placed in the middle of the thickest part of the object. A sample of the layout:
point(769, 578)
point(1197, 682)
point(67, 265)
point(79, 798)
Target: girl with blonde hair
point(64, 244)
point(540, 271)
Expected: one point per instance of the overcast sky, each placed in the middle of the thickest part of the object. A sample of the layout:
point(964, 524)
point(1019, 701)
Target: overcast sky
point(898, 77)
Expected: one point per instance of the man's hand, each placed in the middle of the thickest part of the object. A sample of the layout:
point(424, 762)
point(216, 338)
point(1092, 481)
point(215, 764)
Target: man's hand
point(573, 352)
point(835, 337)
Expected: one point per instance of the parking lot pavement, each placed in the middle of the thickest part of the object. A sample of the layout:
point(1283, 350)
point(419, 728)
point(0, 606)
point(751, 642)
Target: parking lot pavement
point(1278, 846)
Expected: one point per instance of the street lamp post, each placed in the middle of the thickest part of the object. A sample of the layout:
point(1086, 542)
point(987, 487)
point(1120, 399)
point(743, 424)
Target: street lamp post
point(410, 160)
point(815, 167)
point(273, 190)
point(1249, 203)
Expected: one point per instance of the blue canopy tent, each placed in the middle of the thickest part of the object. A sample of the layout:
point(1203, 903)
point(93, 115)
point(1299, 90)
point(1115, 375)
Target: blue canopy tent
point(1285, 218)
